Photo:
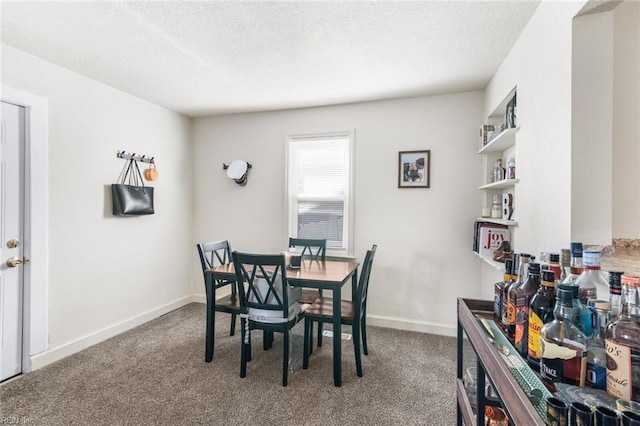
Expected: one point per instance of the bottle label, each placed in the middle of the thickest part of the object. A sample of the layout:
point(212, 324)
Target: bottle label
point(511, 312)
point(596, 376)
point(535, 324)
point(562, 363)
point(522, 324)
point(619, 377)
point(497, 305)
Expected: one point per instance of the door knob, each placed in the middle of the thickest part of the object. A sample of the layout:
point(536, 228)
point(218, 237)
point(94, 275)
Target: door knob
point(12, 262)
point(13, 243)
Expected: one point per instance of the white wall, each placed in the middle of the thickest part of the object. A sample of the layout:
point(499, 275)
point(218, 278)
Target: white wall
point(540, 66)
point(626, 120)
point(424, 258)
point(107, 273)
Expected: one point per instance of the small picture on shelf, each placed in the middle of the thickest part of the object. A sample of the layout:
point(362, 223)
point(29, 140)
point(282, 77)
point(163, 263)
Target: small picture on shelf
point(511, 112)
point(486, 133)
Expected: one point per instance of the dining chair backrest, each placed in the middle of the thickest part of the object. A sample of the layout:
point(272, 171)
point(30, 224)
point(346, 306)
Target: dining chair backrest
point(213, 254)
point(363, 284)
point(314, 248)
point(264, 293)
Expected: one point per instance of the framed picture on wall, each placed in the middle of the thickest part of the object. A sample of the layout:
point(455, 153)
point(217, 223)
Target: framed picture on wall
point(414, 168)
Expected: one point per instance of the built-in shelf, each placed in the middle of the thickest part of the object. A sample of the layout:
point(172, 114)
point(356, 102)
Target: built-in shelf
point(503, 141)
point(498, 221)
point(497, 265)
point(503, 184)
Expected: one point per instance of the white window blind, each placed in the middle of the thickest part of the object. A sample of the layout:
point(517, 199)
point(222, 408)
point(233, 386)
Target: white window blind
point(319, 188)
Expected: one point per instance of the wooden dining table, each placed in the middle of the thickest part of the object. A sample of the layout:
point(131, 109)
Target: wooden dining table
point(325, 275)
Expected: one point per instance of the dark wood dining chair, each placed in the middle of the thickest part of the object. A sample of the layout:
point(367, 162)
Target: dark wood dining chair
point(267, 303)
point(314, 249)
point(219, 253)
point(353, 313)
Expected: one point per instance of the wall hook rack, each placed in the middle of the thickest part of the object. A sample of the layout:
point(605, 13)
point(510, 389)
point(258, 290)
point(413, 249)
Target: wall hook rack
point(135, 157)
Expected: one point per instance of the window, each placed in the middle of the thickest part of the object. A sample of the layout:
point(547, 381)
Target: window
point(320, 195)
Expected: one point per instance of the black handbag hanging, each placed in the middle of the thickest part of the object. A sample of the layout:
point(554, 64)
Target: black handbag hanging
point(129, 198)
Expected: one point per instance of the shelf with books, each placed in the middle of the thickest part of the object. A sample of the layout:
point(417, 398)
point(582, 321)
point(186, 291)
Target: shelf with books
point(505, 140)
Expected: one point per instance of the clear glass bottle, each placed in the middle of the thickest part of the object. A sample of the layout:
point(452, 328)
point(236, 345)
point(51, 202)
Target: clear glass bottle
point(575, 266)
point(565, 262)
point(540, 313)
point(562, 345)
point(498, 294)
point(511, 167)
point(622, 343)
point(524, 293)
point(511, 297)
point(498, 171)
point(596, 376)
point(615, 292)
point(582, 315)
point(591, 282)
point(633, 299)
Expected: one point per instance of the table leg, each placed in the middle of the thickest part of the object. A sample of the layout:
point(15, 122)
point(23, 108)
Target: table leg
point(211, 317)
point(337, 338)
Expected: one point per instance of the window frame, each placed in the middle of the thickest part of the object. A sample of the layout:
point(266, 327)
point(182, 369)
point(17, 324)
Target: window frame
point(349, 199)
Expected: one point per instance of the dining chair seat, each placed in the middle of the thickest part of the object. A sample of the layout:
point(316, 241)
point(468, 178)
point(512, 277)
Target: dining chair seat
point(308, 296)
point(229, 303)
point(323, 308)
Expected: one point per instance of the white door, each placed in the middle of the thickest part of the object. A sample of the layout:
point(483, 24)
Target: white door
point(12, 135)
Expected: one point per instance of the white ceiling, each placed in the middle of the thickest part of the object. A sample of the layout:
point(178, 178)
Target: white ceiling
point(220, 57)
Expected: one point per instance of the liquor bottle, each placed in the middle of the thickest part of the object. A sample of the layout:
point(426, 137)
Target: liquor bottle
point(563, 347)
point(511, 301)
point(499, 289)
point(524, 293)
point(622, 343)
point(575, 265)
point(596, 376)
point(505, 293)
point(582, 315)
point(540, 313)
point(615, 293)
point(591, 282)
point(565, 262)
point(554, 265)
point(633, 299)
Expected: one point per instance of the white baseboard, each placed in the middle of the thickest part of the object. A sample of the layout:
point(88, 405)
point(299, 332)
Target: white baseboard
point(200, 298)
point(403, 324)
point(56, 353)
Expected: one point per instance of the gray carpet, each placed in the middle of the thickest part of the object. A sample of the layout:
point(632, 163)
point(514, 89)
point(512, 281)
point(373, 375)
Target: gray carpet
point(155, 374)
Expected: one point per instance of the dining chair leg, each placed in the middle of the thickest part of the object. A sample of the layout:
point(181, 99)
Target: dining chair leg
point(363, 332)
point(243, 350)
point(233, 325)
point(285, 358)
point(307, 342)
point(356, 348)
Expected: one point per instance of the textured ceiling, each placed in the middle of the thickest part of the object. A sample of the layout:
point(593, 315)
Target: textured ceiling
point(220, 57)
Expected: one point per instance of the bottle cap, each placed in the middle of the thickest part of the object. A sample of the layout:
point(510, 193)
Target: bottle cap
point(565, 257)
point(508, 266)
point(591, 258)
point(576, 249)
point(534, 268)
point(554, 257)
point(564, 295)
point(548, 276)
point(630, 280)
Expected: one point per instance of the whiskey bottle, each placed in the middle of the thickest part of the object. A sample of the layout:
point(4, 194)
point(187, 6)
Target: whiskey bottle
point(575, 264)
point(563, 347)
point(511, 297)
point(596, 376)
point(622, 343)
point(591, 283)
point(540, 313)
point(524, 293)
point(505, 292)
point(565, 262)
point(554, 265)
point(499, 287)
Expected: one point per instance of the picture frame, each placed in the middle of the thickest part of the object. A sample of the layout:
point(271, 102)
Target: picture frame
point(414, 169)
